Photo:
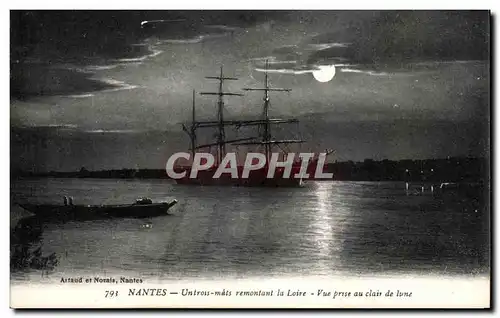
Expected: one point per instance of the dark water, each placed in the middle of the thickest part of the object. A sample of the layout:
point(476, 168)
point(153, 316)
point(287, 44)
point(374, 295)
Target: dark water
point(327, 228)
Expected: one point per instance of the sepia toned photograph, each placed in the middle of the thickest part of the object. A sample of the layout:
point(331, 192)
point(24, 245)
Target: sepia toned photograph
point(250, 159)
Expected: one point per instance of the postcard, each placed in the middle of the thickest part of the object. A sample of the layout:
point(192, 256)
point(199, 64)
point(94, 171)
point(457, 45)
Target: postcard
point(250, 159)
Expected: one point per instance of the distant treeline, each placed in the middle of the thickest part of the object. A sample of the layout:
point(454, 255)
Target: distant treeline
point(438, 170)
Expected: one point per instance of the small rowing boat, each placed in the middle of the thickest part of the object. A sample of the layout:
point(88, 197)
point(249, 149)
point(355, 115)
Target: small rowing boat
point(142, 208)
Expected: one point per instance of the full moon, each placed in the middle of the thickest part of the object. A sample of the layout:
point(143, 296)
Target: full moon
point(325, 73)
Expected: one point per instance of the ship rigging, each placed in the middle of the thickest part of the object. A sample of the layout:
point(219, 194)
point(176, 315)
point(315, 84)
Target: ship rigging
point(265, 139)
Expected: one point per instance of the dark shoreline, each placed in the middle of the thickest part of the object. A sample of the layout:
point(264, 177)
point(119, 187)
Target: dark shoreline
point(456, 169)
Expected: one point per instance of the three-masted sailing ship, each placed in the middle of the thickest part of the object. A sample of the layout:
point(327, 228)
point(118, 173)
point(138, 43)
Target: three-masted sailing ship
point(265, 140)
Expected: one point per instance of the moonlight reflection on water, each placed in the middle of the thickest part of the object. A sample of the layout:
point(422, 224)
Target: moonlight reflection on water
point(325, 229)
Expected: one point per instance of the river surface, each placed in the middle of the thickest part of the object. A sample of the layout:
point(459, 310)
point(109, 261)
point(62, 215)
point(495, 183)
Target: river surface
point(325, 229)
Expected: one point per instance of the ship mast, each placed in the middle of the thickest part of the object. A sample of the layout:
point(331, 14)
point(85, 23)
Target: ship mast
point(266, 122)
point(220, 123)
point(192, 129)
point(221, 142)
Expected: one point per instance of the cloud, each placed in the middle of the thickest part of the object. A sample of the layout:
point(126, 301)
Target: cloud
point(372, 73)
point(101, 67)
point(324, 46)
point(29, 81)
point(141, 58)
point(395, 37)
point(114, 131)
point(286, 71)
point(386, 44)
point(438, 63)
point(118, 85)
point(282, 62)
point(152, 23)
point(303, 65)
point(303, 58)
point(271, 60)
point(192, 33)
point(111, 84)
point(344, 36)
point(63, 126)
point(194, 40)
point(73, 128)
point(395, 40)
point(81, 43)
point(84, 95)
point(224, 28)
point(290, 52)
point(113, 64)
point(329, 55)
point(97, 41)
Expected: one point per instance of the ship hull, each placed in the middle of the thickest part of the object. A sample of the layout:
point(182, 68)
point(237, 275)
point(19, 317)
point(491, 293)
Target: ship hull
point(239, 182)
point(256, 178)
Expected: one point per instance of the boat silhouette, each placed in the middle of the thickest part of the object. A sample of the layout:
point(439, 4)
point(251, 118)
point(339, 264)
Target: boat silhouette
point(142, 208)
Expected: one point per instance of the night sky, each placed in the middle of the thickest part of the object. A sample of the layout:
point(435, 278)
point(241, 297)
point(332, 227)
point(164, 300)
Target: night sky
point(101, 90)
